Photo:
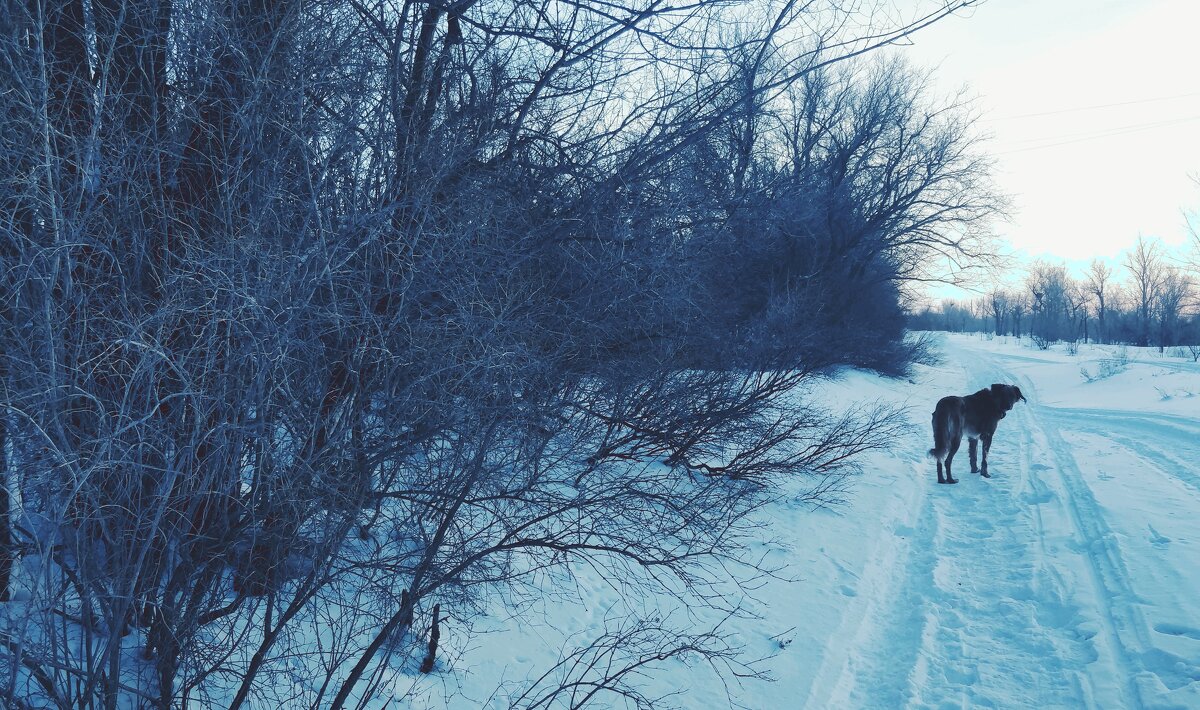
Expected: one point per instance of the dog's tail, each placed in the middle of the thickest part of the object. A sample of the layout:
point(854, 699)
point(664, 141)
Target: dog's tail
point(940, 445)
point(945, 418)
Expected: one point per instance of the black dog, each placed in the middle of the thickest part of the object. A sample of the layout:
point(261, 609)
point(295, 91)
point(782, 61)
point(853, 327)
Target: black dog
point(976, 416)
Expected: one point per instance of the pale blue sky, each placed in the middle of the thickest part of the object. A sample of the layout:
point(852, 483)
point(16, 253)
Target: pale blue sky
point(1086, 176)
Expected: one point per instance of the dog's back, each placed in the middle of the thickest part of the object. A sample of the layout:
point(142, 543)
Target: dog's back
point(947, 425)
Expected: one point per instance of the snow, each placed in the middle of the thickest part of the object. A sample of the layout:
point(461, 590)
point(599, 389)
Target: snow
point(1069, 579)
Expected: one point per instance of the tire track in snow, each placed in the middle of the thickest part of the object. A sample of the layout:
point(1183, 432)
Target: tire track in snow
point(1089, 542)
point(1137, 668)
point(1056, 607)
point(1016, 638)
point(1171, 443)
point(1159, 673)
point(1110, 577)
point(978, 618)
point(1022, 590)
point(908, 530)
point(895, 667)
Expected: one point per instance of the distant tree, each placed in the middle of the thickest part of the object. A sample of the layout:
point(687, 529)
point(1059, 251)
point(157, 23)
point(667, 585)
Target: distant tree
point(1049, 288)
point(1174, 292)
point(1018, 309)
point(1098, 285)
point(878, 183)
point(1192, 221)
point(1145, 265)
point(999, 304)
point(1076, 300)
point(954, 316)
point(1122, 314)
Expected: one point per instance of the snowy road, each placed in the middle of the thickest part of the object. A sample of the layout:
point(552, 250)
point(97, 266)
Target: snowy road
point(1070, 579)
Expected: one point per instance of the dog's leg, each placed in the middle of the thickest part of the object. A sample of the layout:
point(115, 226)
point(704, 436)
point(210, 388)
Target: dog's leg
point(972, 445)
point(941, 478)
point(950, 457)
point(987, 444)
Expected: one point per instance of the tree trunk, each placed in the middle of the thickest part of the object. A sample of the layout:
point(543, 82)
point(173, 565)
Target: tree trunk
point(435, 634)
point(7, 552)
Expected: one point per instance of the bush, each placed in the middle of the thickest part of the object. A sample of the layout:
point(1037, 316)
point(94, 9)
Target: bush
point(300, 305)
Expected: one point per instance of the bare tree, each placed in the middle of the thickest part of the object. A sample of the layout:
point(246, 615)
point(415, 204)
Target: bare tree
point(880, 186)
point(1145, 266)
point(1018, 308)
point(1051, 305)
point(1098, 285)
point(999, 304)
point(1192, 222)
point(1076, 301)
point(1174, 292)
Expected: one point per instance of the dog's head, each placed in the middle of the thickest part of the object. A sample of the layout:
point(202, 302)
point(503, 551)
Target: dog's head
point(1007, 396)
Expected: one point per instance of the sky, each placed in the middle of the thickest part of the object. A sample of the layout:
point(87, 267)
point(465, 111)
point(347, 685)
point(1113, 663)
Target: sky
point(1093, 113)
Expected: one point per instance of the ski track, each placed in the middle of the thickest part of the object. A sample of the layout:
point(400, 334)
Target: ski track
point(1014, 591)
point(1172, 444)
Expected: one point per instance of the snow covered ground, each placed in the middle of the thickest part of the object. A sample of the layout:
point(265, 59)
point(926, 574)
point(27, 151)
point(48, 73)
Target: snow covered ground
point(1069, 579)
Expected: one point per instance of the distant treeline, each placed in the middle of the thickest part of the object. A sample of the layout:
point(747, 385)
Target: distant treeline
point(1147, 301)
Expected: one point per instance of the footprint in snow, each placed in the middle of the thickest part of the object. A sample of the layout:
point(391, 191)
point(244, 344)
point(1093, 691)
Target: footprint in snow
point(1156, 539)
point(1178, 630)
point(1037, 497)
point(961, 676)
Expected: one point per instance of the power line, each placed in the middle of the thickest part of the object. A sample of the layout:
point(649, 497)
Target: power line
point(1121, 130)
point(1099, 106)
point(1103, 131)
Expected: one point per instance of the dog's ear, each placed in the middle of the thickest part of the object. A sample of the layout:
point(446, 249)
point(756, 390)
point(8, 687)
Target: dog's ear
point(1005, 396)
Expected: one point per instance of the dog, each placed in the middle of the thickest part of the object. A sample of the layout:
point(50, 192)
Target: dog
point(976, 416)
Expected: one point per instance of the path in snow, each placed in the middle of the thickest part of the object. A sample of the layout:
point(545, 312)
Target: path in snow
point(1068, 579)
